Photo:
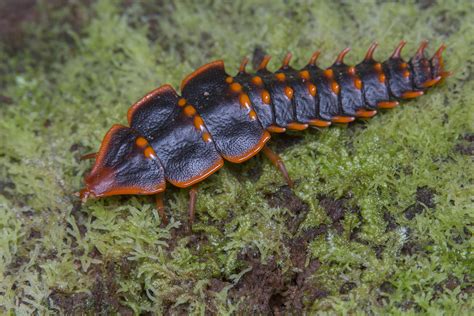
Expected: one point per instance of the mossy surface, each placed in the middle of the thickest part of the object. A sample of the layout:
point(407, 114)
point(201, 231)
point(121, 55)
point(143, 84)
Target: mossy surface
point(380, 219)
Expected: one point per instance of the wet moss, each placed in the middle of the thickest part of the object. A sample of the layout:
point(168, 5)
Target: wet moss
point(339, 242)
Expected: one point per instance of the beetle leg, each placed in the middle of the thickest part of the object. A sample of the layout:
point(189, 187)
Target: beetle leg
point(192, 206)
point(160, 206)
point(89, 156)
point(278, 162)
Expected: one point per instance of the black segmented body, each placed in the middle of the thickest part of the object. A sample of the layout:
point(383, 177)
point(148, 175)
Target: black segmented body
point(184, 139)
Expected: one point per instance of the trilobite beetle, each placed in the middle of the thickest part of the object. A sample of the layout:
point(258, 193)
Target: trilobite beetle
point(183, 139)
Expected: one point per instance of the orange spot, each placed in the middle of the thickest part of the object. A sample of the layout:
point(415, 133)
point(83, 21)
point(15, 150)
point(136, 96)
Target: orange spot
point(297, 126)
point(198, 122)
point(236, 87)
point(382, 78)
point(304, 74)
point(412, 94)
point(403, 66)
point(387, 104)
point(358, 83)
point(312, 89)
point(244, 101)
point(319, 123)
point(252, 115)
point(229, 80)
point(335, 87)
point(406, 74)
point(328, 73)
point(343, 119)
point(276, 129)
point(288, 92)
point(280, 76)
point(366, 113)
point(257, 81)
point(141, 142)
point(189, 110)
point(206, 137)
point(266, 97)
point(351, 70)
point(182, 102)
point(431, 82)
point(149, 153)
point(378, 67)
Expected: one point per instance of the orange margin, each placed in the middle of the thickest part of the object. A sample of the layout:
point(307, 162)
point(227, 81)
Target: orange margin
point(147, 97)
point(217, 63)
point(252, 152)
point(200, 177)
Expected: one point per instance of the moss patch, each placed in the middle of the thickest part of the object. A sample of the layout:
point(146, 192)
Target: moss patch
point(380, 220)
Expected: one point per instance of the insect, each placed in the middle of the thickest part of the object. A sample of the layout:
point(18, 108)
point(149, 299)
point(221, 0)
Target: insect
point(184, 139)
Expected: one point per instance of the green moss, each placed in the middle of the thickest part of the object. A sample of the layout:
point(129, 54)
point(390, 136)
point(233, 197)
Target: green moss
point(70, 84)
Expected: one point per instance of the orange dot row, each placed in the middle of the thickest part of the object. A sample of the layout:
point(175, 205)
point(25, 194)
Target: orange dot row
point(190, 111)
point(406, 72)
point(244, 99)
point(288, 90)
point(357, 82)
point(329, 73)
point(245, 102)
point(256, 80)
point(305, 75)
point(265, 95)
point(148, 152)
point(379, 70)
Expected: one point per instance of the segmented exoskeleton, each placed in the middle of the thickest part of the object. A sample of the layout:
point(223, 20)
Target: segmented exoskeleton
point(184, 139)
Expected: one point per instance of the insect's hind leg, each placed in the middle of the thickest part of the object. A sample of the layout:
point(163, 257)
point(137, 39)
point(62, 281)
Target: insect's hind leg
point(278, 162)
point(192, 207)
point(89, 156)
point(160, 207)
